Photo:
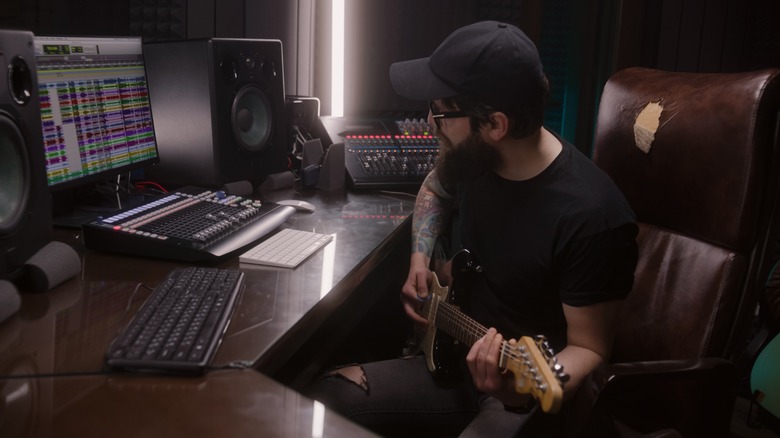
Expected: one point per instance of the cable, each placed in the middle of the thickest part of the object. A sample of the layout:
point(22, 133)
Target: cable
point(128, 306)
point(142, 185)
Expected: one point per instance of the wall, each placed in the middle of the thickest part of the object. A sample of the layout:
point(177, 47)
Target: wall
point(581, 43)
point(677, 35)
point(381, 32)
point(158, 20)
point(700, 35)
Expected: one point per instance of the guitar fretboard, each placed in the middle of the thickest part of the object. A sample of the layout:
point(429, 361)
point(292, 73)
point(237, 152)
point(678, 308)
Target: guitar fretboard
point(451, 320)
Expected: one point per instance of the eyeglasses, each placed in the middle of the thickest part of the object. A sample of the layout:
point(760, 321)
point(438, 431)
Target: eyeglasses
point(439, 115)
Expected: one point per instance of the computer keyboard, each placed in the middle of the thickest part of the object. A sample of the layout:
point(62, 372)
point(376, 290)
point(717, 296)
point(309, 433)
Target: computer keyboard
point(288, 248)
point(180, 325)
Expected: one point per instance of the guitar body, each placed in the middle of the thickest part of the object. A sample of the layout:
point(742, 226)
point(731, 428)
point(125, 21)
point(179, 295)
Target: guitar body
point(442, 352)
point(439, 348)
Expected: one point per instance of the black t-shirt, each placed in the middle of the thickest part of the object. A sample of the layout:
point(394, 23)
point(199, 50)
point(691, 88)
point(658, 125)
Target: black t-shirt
point(566, 235)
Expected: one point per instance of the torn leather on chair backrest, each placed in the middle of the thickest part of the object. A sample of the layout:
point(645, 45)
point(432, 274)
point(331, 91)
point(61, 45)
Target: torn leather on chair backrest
point(684, 150)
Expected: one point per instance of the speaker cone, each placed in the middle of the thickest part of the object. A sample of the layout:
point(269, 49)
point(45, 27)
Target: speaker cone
point(13, 175)
point(251, 119)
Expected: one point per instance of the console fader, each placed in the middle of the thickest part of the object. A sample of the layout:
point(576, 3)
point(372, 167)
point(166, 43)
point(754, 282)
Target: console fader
point(384, 153)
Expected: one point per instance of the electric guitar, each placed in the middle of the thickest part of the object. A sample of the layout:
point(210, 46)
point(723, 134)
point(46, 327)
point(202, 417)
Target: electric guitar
point(530, 360)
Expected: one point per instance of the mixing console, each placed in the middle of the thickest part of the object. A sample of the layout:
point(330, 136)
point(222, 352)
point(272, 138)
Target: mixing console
point(199, 226)
point(384, 153)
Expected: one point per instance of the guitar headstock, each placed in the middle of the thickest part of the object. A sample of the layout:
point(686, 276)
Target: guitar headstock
point(537, 372)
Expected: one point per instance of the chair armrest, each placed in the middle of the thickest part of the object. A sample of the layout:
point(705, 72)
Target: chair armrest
point(694, 397)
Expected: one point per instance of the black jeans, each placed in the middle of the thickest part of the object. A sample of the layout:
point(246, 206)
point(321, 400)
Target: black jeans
point(401, 398)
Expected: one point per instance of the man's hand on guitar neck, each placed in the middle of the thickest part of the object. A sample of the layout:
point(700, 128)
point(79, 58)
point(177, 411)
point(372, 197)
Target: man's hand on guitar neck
point(483, 363)
point(416, 289)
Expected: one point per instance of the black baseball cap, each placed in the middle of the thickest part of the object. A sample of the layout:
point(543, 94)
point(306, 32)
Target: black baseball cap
point(492, 61)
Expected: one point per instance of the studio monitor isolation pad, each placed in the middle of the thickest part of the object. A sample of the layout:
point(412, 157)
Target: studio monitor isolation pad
point(218, 109)
point(25, 211)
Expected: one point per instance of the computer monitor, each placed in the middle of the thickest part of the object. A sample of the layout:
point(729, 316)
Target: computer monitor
point(95, 112)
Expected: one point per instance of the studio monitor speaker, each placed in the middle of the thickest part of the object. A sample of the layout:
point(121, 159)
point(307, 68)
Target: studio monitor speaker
point(218, 106)
point(25, 210)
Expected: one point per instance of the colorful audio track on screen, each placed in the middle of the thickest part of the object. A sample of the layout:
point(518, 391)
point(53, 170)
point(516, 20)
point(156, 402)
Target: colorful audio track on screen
point(95, 110)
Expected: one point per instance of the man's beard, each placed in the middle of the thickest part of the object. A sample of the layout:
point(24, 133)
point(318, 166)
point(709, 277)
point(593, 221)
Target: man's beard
point(464, 161)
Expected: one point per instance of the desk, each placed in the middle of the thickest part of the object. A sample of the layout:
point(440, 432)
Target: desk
point(52, 351)
point(235, 403)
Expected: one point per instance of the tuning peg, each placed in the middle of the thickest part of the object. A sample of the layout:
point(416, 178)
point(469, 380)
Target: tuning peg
point(544, 346)
point(562, 376)
point(559, 373)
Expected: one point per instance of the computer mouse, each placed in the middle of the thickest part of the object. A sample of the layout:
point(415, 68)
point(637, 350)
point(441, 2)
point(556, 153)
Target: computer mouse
point(298, 204)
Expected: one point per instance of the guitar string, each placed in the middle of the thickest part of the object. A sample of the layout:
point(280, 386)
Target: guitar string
point(467, 326)
point(465, 323)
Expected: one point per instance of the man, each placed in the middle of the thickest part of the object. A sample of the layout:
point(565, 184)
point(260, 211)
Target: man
point(554, 237)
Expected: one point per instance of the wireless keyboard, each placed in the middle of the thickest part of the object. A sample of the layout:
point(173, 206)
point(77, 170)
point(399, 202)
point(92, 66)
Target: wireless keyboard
point(180, 325)
point(288, 248)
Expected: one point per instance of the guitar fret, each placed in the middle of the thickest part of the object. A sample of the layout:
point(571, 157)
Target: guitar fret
point(456, 324)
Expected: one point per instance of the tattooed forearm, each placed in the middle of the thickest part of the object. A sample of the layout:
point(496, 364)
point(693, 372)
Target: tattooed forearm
point(431, 213)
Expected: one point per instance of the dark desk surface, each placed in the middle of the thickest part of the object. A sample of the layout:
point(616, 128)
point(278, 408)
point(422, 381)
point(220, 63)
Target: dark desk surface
point(60, 337)
point(231, 403)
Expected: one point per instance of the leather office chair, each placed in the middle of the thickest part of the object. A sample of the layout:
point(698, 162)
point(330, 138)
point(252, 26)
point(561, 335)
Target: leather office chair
point(697, 157)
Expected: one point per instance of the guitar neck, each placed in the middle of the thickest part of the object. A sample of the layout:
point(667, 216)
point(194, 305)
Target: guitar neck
point(462, 327)
point(457, 324)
